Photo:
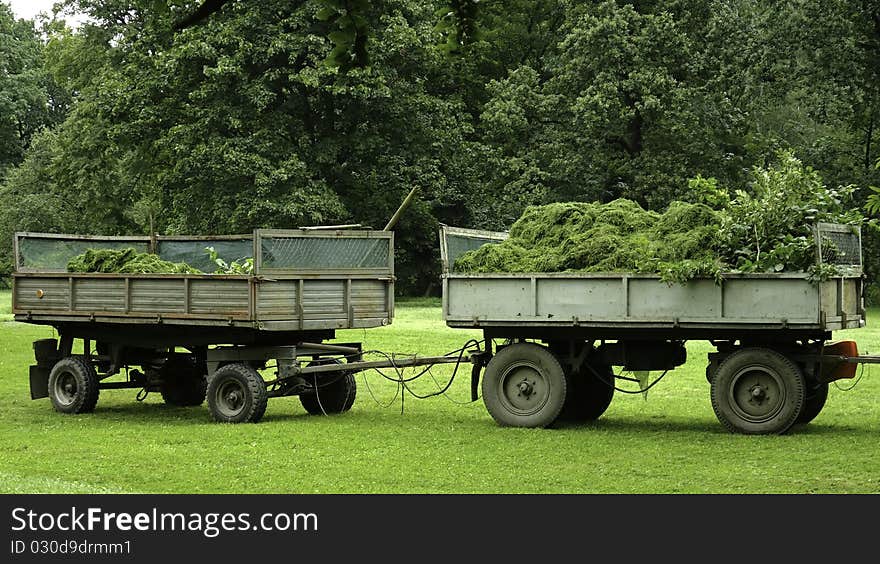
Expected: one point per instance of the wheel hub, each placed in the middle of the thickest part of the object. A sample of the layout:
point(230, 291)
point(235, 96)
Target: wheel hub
point(230, 398)
point(66, 389)
point(757, 393)
point(524, 389)
point(233, 398)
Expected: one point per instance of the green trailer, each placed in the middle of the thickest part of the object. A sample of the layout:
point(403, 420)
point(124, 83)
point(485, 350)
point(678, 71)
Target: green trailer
point(191, 335)
point(561, 335)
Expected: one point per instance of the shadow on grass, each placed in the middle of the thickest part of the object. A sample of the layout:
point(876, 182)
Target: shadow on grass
point(164, 414)
point(653, 425)
point(647, 425)
point(173, 415)
point(818, 428)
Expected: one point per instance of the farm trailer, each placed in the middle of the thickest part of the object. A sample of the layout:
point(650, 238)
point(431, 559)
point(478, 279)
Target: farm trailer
point(562, 334)
point(188, 335)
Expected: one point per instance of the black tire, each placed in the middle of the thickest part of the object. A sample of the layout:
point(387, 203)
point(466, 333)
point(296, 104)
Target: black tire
point(589, 394)
point(524, 386)
point(814, 401)
point(73, 385)
point(182, 382)
point(758, 391)
point(337, 397)
point(237, 394)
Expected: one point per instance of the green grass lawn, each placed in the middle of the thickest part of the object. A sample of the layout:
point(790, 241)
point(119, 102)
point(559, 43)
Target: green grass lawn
point(5, 305)
point(670, 443)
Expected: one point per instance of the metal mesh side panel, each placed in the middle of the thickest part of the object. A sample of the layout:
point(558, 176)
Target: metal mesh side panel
point(305, 253)
point(54, 254)
point(194, 252)
point(841, 248)
point(457, 245)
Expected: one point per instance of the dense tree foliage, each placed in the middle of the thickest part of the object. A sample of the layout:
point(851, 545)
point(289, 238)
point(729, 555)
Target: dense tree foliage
point(304, 112)
point(29, 99)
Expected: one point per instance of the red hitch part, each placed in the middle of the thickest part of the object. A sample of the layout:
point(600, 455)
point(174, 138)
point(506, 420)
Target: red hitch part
point(840, 370)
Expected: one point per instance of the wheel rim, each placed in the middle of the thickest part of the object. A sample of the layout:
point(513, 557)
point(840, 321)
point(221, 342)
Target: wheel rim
point(524, 389)
point(757, 394)
point(65, 388)
point(230, 398)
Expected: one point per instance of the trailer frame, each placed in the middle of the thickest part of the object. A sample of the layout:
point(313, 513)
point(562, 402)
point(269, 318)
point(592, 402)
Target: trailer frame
point(561, 334)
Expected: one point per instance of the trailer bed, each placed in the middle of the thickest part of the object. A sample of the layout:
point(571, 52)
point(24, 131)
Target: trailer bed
point(302, 281)
point(622, 301)
point(616, 305)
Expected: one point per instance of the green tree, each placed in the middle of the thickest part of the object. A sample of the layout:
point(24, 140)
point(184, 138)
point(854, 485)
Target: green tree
point(29, 100)
point(242, 122)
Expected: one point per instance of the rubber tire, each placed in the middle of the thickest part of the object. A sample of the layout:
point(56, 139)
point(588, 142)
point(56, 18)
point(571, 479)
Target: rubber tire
point(814, 401)
point(546, 364)
point(792, 380)
point(588, 395)
point(254, 387)
point(183, 384)
point(87, 391)
point(337, 397)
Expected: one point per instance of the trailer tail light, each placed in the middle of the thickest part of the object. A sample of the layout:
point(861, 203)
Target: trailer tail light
point(843, 369)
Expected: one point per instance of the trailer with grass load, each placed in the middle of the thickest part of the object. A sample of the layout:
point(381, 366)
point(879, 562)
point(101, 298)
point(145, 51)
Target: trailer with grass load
point(561, 335)
point(188, 336)
point(551, 343)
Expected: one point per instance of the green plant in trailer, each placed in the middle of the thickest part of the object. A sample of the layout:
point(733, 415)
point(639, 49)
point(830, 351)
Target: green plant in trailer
point(241, 266)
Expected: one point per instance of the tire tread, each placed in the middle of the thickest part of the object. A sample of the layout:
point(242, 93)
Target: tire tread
point(779, 427)
point(87, 381)
point(256, 386)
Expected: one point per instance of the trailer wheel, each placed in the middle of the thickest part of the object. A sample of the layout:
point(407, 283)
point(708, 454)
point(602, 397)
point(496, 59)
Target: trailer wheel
point(757, 391)
point(73, 385)
point(588, 395)
point(524, 386)
point(337, 397)
point(814, 401)
point(237, 394)
point(183, 384)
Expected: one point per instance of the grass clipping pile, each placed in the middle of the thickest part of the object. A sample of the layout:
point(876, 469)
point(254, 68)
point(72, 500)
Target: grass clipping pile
point(619, 236)
point(768, 229)
point(126, 261)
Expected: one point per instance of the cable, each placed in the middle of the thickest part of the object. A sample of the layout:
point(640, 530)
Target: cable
point(399, 377)
point(445, 388)
point(372, 395)
point(318, 395)
point(855, 382)
point(621, 390)
point(401, 380)
point(445, 395)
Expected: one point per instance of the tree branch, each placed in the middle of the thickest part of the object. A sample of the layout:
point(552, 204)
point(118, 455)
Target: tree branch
point(207, 8)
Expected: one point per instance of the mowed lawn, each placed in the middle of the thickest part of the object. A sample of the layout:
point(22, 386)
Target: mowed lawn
point(667, 443)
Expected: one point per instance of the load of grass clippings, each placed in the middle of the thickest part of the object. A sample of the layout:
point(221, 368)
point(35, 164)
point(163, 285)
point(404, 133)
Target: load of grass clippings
point(126, 261)
point(619, 236)
point(768, 229)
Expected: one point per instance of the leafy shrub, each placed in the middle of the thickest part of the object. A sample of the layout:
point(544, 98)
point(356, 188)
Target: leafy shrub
point(771, 229)
point(243, 266)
